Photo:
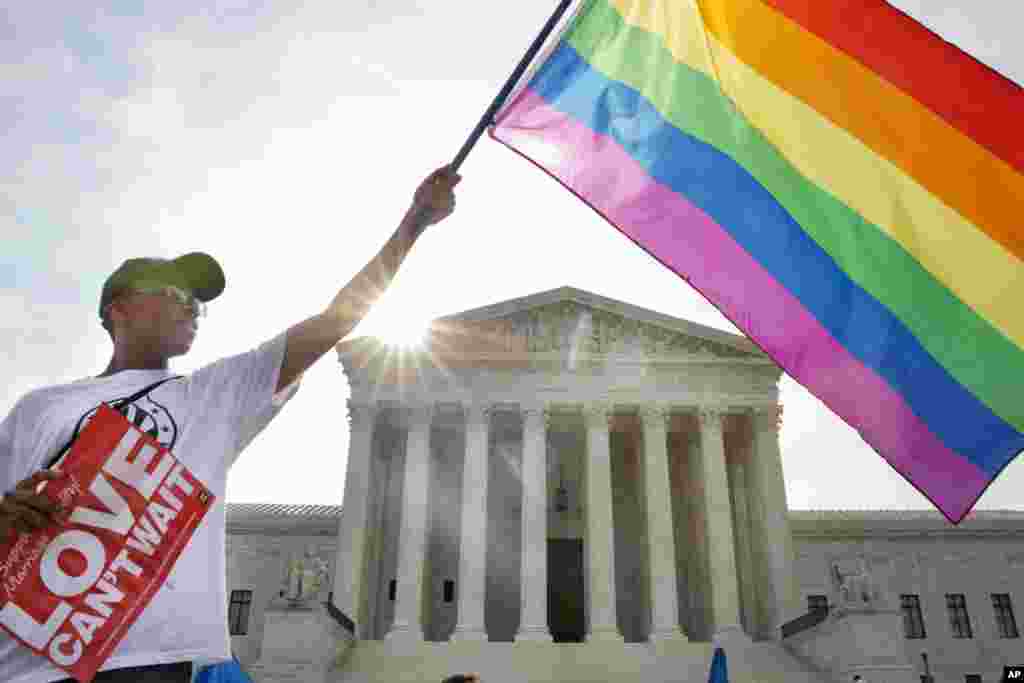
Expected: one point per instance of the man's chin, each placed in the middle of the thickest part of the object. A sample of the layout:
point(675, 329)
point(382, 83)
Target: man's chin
point(180, 349)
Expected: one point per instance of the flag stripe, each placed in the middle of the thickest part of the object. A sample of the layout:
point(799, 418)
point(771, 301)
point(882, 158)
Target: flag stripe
point(709, 257)
point(984, 105)
point(874, 261)
point(737, 202)
point(826, 155)
point(883, 117)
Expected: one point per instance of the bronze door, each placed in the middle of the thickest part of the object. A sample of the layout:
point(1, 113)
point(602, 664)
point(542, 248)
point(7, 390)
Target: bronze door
point(566, 615)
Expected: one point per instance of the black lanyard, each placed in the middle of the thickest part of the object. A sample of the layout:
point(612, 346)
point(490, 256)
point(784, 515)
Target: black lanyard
point(115, 405)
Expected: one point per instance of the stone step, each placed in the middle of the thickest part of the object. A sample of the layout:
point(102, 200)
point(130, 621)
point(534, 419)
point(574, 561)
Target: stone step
point(594, 662)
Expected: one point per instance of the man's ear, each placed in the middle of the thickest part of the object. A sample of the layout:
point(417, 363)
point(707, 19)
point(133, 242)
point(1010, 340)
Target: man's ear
point(119, 309)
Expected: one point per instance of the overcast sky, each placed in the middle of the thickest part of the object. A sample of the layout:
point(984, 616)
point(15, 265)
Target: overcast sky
point(286, 139)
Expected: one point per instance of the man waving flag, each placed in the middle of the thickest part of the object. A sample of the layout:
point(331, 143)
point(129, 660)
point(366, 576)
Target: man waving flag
point(838, 181)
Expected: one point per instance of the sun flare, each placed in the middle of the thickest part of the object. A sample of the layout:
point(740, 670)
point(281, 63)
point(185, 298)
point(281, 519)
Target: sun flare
point(404, 336)
point(400, 320)
point(403, 333)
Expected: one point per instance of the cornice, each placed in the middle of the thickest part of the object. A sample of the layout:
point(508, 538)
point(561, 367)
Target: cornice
point(276, 518)
point(901, 523)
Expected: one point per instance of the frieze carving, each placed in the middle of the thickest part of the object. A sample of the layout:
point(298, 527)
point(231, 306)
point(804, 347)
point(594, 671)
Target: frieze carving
point(568, 325)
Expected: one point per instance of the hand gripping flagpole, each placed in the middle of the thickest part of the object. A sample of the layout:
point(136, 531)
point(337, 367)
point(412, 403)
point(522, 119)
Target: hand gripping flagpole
point(506, 89)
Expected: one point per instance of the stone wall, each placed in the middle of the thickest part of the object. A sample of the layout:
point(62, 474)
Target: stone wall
point(930, 564)
point(256, 562)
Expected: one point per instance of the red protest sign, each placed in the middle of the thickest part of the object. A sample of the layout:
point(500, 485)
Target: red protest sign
point(71, 592)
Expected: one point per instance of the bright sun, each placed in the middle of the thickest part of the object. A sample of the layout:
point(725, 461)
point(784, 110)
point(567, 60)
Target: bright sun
point(402, 331)
point(404, 336)
point(398, 321)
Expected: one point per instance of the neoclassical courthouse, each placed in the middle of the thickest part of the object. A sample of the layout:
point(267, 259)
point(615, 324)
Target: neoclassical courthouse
point(564, 487)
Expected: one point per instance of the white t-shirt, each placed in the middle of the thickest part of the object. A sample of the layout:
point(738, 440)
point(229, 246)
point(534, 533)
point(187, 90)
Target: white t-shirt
point(205, 419)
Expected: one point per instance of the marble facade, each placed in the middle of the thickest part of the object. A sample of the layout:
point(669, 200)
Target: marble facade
point(566, 470)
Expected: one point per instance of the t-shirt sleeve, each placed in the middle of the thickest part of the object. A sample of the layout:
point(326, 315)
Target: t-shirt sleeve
point(7, 462)
point(13, 469)
point(240, 389)
point(254, 424)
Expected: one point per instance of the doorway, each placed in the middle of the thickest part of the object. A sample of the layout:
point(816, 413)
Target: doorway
point(566, 613)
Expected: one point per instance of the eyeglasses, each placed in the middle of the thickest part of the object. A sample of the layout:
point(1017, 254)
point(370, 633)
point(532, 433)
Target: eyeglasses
point(197, 307)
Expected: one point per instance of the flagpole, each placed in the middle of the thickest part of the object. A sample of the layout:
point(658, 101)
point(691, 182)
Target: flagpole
point(488, 116)
point(506, 89)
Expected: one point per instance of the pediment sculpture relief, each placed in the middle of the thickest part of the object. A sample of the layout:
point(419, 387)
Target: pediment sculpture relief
point(570, 326)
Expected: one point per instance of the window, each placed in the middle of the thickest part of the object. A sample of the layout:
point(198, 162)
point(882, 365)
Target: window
point(972, 678)
point(1005, 623)
point(913, 624)
point(959, 622)
point(238, 612)
point(817, 603)
point(392, 587)
point(449, 590)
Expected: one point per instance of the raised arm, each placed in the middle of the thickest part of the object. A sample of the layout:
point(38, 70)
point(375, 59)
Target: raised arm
point(312, 338)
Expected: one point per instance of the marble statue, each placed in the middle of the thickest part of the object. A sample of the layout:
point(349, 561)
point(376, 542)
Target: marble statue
point(857, 587)
point(303, 578)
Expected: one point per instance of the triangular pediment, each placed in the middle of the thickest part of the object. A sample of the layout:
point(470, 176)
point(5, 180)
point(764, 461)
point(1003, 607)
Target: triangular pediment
point(569, 319)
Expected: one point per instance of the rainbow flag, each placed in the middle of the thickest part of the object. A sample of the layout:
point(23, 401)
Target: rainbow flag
point(838, 181)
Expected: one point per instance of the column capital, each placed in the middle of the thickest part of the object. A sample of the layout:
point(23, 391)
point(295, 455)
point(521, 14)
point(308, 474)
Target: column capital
point(655, 415)
point(419, 414)
point(536, 413)
point(448, 408)
point(361, 413)
point(710, 417)
point(767, 417)
point(598, 413)
point(478, 412)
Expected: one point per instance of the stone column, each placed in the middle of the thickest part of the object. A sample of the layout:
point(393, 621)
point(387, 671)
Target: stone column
point(412, 537)
point(725, 604)
point(350, 570)
point(661, 545)
point(745, 567)
point(473, 549)
point(772, 521)
point(600, 542)
point(533, 622)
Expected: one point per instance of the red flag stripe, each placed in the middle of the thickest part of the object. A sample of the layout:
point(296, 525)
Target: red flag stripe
point(973, 98)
